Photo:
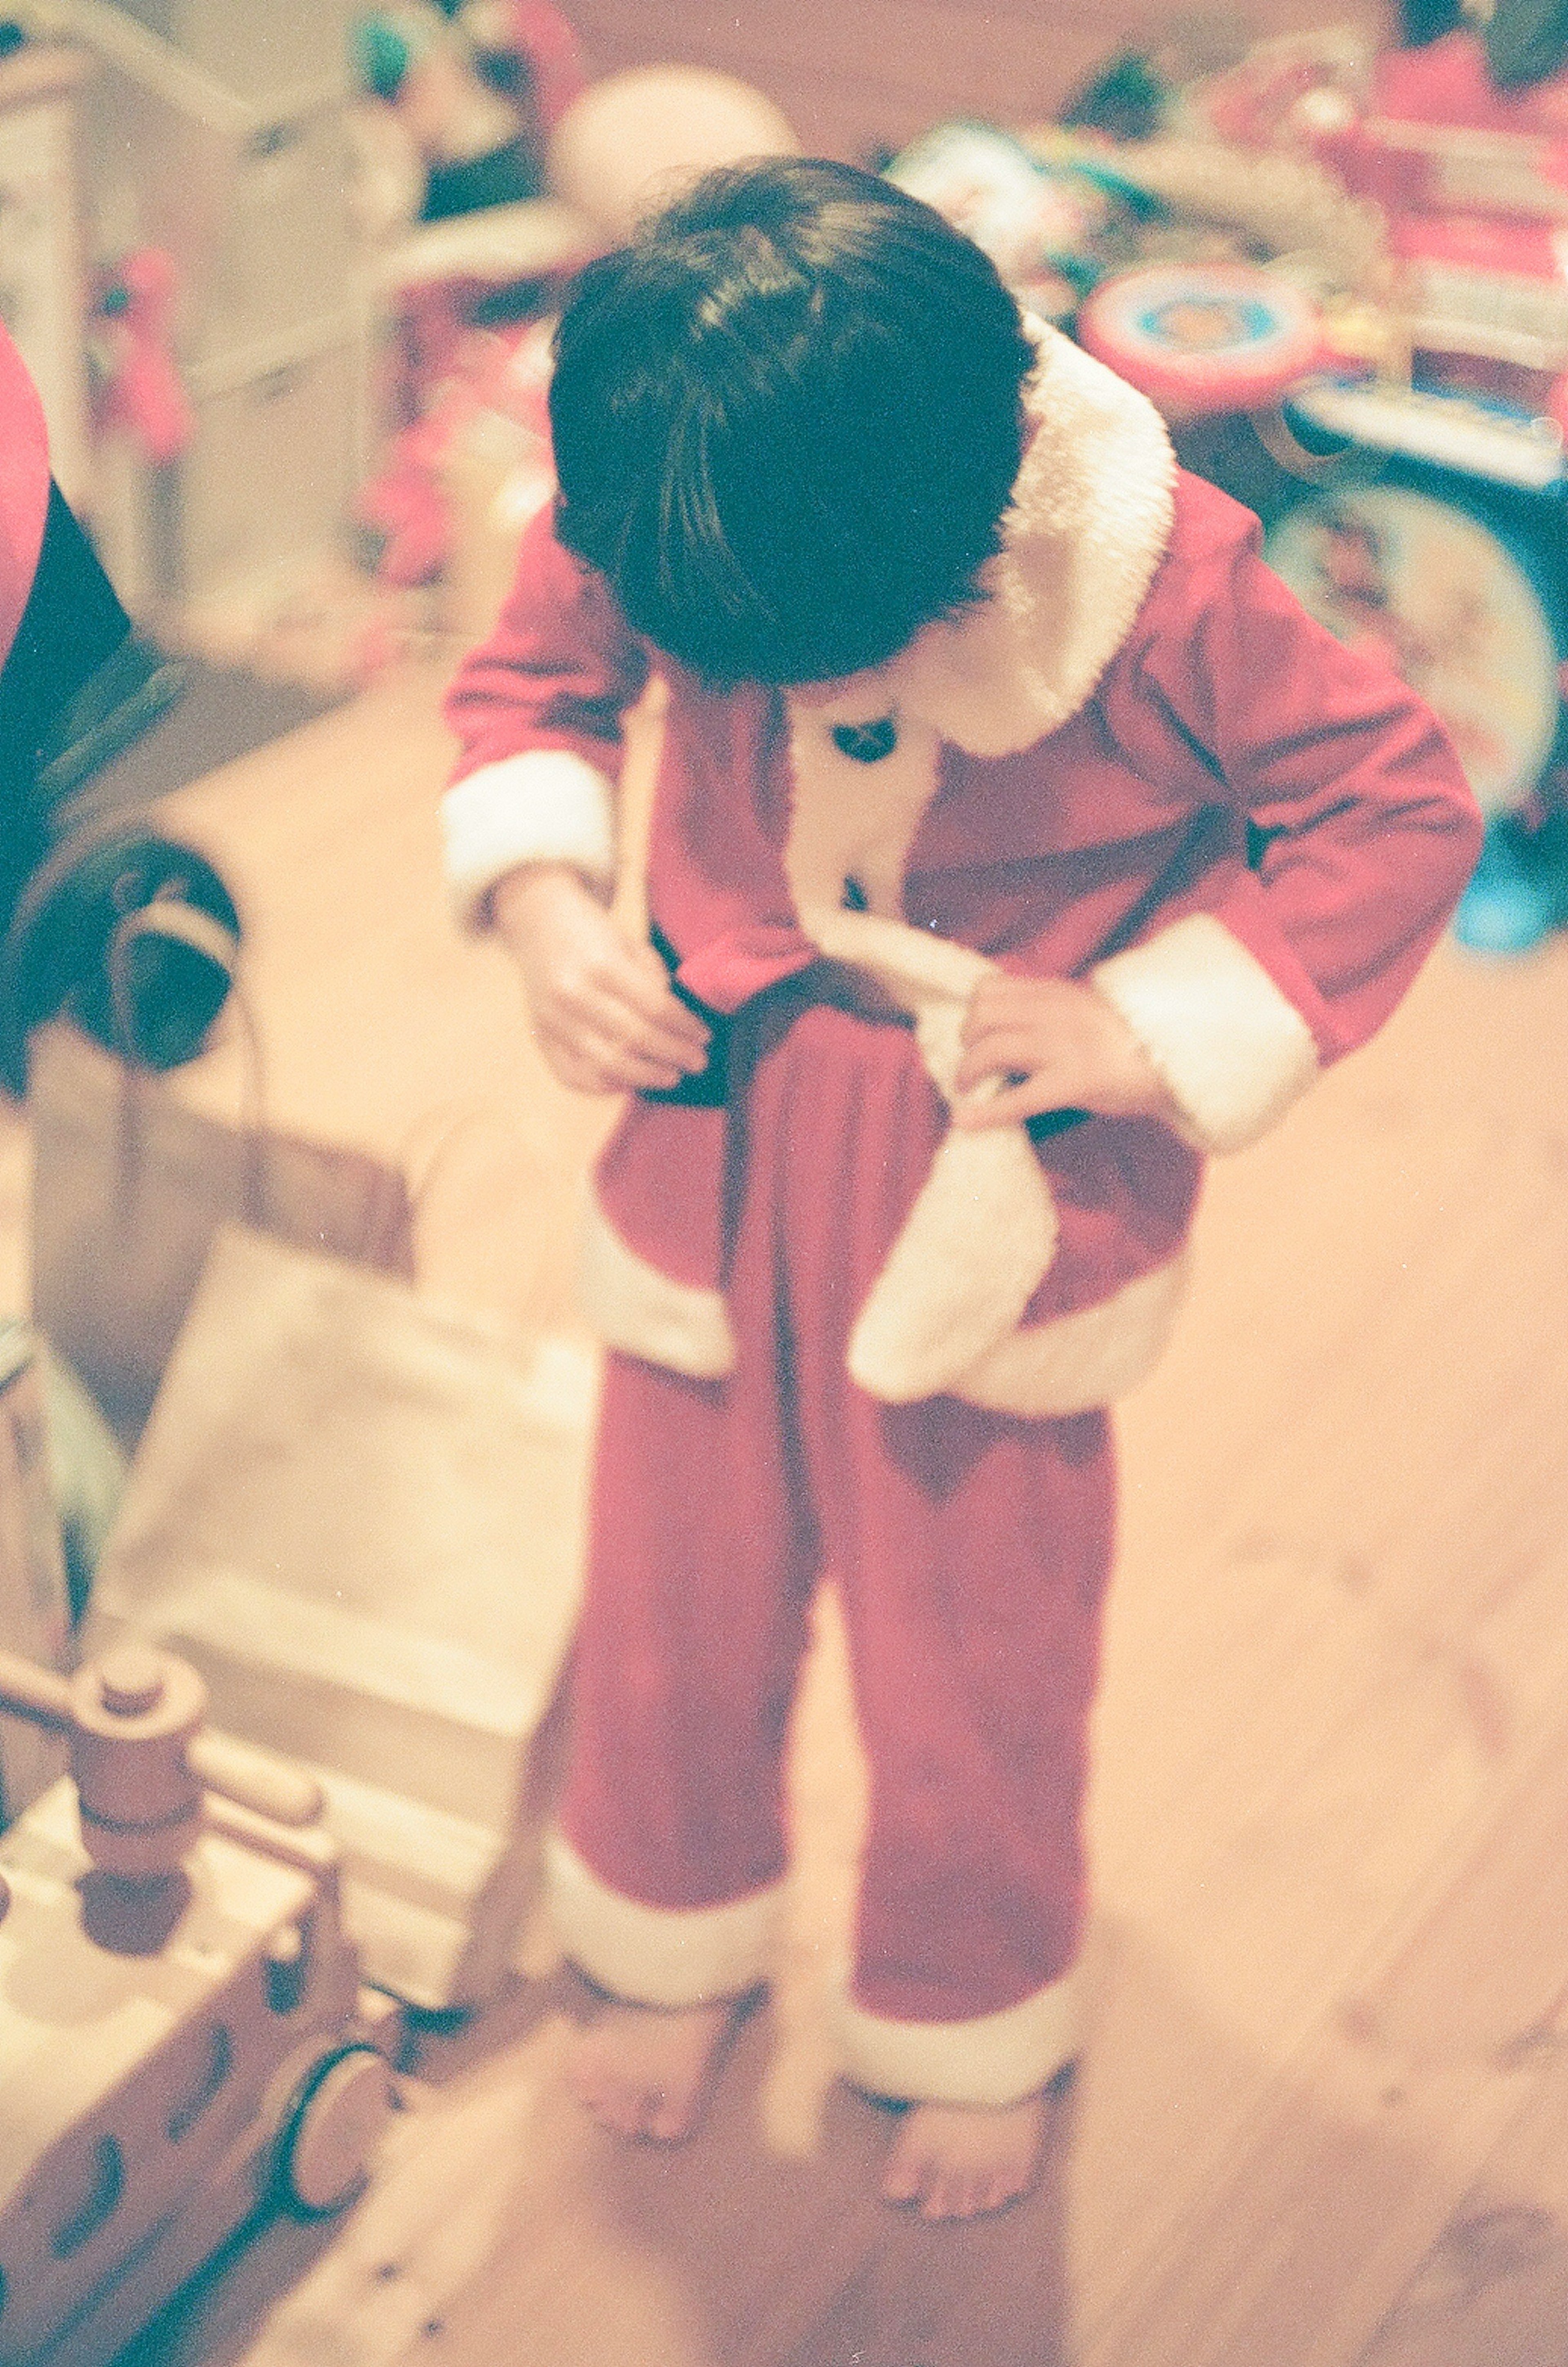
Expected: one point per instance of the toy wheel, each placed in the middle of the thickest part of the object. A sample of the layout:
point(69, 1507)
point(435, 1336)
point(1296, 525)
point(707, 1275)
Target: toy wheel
point(1463, 614)
point(332, 2128)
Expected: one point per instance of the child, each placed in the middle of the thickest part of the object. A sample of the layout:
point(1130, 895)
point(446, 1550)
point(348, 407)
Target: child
point(1017, 840)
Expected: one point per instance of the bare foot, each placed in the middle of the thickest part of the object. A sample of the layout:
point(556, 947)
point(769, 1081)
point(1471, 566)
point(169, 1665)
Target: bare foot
point(956, 2161)
point(645, 2071)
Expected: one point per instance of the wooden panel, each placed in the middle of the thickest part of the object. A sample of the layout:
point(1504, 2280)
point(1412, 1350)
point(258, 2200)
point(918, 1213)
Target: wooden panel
point(855, 80)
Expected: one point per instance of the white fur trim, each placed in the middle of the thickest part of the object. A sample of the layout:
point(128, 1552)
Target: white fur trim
point(1233, 1048)
point(968, 1260)
point(1091, 518)
point(1079, 1362)
point(645, 1313)
point(659, 1955)
point(983, 1230)
point(545, 805)
point(850, 821)
point(998, 2058)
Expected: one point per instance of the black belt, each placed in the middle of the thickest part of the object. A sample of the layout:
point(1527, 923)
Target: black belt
point(709, 1087)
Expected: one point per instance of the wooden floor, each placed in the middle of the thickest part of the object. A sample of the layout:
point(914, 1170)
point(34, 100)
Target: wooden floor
point(1323, 2115)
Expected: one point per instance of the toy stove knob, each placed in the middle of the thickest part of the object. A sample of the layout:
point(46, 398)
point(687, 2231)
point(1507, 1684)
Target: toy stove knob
point(131, 1681)
point(142, 1755)
point(134, 1715)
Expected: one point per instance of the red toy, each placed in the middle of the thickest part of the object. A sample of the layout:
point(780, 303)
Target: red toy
point(140, 392)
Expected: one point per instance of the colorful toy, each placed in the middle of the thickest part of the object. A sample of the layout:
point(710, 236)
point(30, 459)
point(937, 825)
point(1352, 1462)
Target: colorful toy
point(1376, 243)
point(1454, 557)
point(469, 300)
point(1472, 174)
point(1203, 337)
point(1051, 224)
point(139, 390)
point(182, 2031)
point(491, 405)
point(1430, 584)
point(475, 88)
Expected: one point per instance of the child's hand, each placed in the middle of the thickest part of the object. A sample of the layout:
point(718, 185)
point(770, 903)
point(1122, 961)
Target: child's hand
point(603, 1014)
point(1058, 1045)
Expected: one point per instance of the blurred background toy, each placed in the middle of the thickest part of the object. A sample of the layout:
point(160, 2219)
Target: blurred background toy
point(139, 389)
point(1204, 337)
point(1054, 220)
point(474, 86)
point(633, 139)
point(1345, 288)
point(470, 461)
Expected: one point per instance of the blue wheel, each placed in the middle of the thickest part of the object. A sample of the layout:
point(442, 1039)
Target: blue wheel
point(1466, 616)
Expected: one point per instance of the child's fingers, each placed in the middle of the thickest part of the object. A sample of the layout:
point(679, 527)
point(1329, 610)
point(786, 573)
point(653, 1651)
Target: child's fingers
point(624, 1048)
point(662, 1034)
point(653, 984)
point(999, 1050)
point(627, 1057)
point(614, 1006)
point(999, 1000)
point(601, 1064)
point(1031, 1098)
point(645, 985)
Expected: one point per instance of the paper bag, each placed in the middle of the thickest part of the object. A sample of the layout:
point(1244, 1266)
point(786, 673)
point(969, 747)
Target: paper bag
point(360, 1515)
point(129, 1188)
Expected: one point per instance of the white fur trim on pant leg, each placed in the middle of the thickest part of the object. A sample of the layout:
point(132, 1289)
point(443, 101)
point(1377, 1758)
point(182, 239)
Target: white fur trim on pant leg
point(964, 1268)
point(1233, 1048)
point(645, 1313)
point(545, 805)
point(998, 2058)
point(1042, 1371)
point(659, 1955)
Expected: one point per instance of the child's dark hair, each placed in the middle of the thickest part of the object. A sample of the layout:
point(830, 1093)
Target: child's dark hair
point(787, 421)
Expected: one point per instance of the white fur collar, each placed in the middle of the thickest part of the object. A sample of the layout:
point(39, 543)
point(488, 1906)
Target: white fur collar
point(1090, 517)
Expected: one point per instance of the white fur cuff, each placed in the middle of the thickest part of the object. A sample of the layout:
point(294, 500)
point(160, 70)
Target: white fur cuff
point(634, 1308)
point(998, 2058)
point(659, 1955)
point(546, 806)
point(1233, 1048)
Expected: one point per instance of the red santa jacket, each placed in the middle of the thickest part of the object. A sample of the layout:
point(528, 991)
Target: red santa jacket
point(1137, 762)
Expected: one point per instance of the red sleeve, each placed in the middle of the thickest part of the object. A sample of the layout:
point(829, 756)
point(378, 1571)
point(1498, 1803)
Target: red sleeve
point(1365, 824)
point(538, 713)
point(1363, 828)
point(558, 672)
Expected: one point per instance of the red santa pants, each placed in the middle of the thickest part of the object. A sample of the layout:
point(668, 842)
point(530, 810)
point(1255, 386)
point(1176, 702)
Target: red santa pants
point(970, 1550)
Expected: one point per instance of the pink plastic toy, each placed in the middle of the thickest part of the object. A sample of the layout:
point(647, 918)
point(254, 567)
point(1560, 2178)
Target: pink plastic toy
point(141, 393)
